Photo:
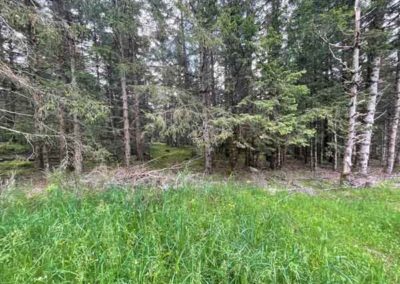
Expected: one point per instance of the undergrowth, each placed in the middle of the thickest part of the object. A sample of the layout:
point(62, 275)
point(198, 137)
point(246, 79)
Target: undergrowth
point(202, 234)
point(164, 156)
point(13, 148)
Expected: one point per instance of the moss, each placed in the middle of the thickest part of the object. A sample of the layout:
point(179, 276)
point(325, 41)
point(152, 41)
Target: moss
point(164, 156)
point(15, 166)
point(13, 148)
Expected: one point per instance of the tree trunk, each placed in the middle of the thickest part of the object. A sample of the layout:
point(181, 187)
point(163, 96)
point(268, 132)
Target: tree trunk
point(77, 145)
point(183, 61)
point(40, 148)
point(138, 131)
point(336, 150)
point(322, 143)
point(125, 111)
point(369, 118)
point(312, 152)
point(395, 123)
point(207, 143)
point(205, 88)
point(64, 161)
point(76, 123)
point(384, 142)
point(315, 153)
point(352, 109)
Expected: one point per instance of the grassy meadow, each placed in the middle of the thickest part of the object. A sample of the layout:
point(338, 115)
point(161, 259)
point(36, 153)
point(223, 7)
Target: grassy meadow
point(200, 234)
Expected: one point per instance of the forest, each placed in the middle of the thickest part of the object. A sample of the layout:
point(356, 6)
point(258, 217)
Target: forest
point(199, 141)
point(252, 82)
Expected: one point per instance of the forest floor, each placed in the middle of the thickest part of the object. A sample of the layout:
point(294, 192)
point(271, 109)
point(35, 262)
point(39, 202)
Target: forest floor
point(171, 166)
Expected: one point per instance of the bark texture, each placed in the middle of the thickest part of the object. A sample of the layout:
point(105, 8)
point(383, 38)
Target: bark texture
point(352, 108)
point(76, 123)
point(206, 92)
point(395, 123)
point(125, 111)
point(369, 118)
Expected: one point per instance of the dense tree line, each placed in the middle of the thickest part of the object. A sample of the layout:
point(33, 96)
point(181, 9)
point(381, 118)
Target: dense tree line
point(318, 81)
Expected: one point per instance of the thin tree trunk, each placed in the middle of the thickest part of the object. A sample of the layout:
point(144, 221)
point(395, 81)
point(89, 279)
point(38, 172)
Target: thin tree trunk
point(207, 142)
point(352, 109)
point(391, 153)
point(205, 81)
point(125, 111)
point(384, 142)
point(315, 153)
point(40, 150)
point(336, 150)
point(76, 123)
point(322, 143)
point(183, 57)
point(62, 140)
point(278, 156)
point(77, 145)
point(369, 118)
point(138, 131)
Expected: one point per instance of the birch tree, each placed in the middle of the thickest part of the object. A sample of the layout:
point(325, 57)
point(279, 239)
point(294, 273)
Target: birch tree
point(393, 134)
point(375, 42)
point(352, 107)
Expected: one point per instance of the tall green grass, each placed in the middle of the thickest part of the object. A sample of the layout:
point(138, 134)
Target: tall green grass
point(207, 234)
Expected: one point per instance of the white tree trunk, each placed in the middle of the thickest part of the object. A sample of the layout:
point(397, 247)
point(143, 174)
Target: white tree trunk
point(125, 111)
point(352, 111)
point(369, 118)
point(138, 130)
point(395, 123)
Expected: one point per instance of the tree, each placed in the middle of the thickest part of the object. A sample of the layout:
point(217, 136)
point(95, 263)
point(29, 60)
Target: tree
point(395, 123)
point(352, 108)
point(375, 58)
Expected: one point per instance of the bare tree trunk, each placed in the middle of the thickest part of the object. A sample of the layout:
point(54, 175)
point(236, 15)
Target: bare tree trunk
point(351, 132)
point(183, 56)
point(62, 140)
point(322, 143)
point(315, 153)
point(278, 156)
point(40, 148)
point(138, 131)
point(213, 91)
point(125, 111)
point(205, 81)
point(369, 118)
point(384, 142)
point(78, 159)
point(336, 150)
point(207, 142)
point(395, 123)
point(77, 145)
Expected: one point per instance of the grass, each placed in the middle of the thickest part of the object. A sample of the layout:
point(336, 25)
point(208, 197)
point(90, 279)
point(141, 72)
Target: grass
point(203, 234)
